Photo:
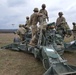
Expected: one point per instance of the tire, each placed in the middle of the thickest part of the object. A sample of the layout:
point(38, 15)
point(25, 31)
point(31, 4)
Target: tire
point(45, 63)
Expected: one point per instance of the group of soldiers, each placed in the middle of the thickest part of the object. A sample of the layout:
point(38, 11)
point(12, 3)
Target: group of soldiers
point(35, 18)
point(41, 17)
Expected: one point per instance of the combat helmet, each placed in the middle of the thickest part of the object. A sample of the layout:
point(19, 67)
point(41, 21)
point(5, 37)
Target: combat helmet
point(60, 13)
point(27, 17)
point(35, 10)
point(43, 5)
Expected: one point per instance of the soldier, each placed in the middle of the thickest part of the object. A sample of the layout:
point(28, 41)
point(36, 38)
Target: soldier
point(74, 30)
point(27, 22)
point(45, 13)
point(60, 20)
point(21, 32)
point(33, 22)
point(61, 24)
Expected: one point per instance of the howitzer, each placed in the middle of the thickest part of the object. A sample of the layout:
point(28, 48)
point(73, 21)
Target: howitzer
point(48, 50)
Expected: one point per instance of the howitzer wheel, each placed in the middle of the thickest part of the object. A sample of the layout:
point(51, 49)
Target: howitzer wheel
point(45, 63)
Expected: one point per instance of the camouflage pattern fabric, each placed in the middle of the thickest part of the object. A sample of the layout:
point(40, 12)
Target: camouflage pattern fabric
point(42, 23)
point(45, 14)
point(33, 23)
point(27, 23)
point(21, 32)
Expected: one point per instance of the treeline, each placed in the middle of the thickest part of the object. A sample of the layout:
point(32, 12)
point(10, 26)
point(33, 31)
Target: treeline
point(7, 30)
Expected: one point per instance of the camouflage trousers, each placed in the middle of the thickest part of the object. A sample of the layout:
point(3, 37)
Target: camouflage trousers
point(34, 41)
point(43, 25)
point(34, 30)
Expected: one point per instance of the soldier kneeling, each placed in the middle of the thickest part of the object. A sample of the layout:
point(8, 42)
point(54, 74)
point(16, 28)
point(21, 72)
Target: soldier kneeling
point(21, 32)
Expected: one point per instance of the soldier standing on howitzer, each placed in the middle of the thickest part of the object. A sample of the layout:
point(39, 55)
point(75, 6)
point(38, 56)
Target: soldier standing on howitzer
point(74, 30)
point(61, 24)
point(33, 23)
point(21, 32)
point(36, 17)
point(44, 14)
point(43, 18)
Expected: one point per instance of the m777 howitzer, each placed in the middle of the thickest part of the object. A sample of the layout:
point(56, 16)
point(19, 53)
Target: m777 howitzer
point(47, 51)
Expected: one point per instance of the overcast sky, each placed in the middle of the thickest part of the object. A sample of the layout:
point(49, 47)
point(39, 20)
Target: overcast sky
point(15, 11)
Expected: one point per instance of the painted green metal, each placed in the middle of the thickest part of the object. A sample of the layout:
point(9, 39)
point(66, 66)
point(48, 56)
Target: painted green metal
point(71, 46)
point(57, 65)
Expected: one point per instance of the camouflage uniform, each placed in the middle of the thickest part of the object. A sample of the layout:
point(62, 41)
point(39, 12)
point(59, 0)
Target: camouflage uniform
point(33, 22)
point(61, 23)
point(21, 32)
point(74, 31)
point(27, 22)
point(42, 19)
point(42, 23)
point(44, 12)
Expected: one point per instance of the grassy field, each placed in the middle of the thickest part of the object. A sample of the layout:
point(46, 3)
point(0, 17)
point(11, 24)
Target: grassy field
point(19, 63)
